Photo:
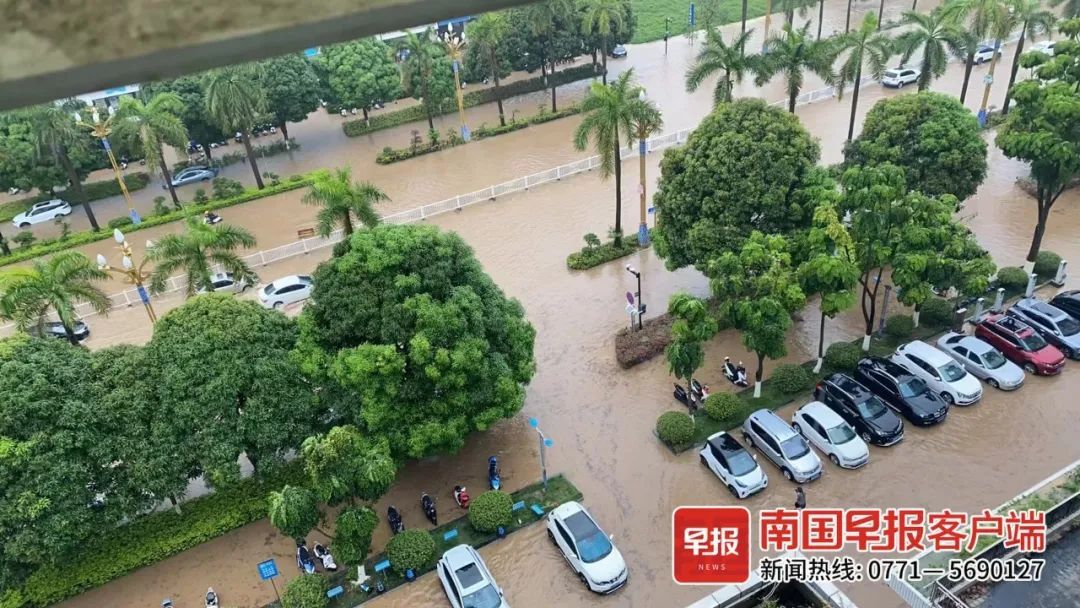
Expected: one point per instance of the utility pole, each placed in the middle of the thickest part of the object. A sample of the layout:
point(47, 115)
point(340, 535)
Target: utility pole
point(667, 32)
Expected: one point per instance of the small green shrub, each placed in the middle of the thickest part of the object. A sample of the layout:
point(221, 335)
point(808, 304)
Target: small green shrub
point(160, 208)
point(899, 327)
point(484, 131)
point(226, 188)
point(723, 407)
point(936, 312)
point(843, 356)
point(411, 549)
point(272, 177)
point(352, 534)
point(546, 116)
point(675, 428)
point(490, 510)
point(119, 222)
point(1012, 278)
point(305, 592)
point(200, 196)
point(65, 228)
point(791, 378)
point(25, 239)
point(1046, 265)
point(591, 240)
point(594, 253)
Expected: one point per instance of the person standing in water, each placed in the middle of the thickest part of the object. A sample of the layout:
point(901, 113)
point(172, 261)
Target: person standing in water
point(800, 498)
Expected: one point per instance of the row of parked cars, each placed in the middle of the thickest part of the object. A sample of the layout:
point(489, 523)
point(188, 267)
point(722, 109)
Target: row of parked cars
point(919, 382)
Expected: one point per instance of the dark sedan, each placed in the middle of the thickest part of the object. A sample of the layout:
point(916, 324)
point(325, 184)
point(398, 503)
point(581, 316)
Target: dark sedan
point(875, 423)
point(902, 391)
point(1069, 301)
point(55, 329)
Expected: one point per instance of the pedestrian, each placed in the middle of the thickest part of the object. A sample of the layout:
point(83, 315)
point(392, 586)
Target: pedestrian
point(800, 498)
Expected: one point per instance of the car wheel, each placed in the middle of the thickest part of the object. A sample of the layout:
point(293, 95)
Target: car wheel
point(993, 383)
point(24, 225)
point(278, 305)
point(834, 459)
point(1029, 367)
point(900, 84)
point(551, 537)
point(788, 476)
point(731, 489)
point(865, 436)
point(584, 581)
point(702, 459)
point(948, 398)
point(798, 429)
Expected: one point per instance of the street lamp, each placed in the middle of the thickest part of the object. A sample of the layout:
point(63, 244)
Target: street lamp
point(101, 129)
point(133, 273)
point(544, 444)
point(667, 32)
point(644, 127)
point(455, 49)
point(637, 295)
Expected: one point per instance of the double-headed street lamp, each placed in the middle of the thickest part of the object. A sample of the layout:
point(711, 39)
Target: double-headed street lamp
point(645, 127)
point(133, 272)
point(101, 129)
point(637, 295)
point(455, 48)
point(544, 444)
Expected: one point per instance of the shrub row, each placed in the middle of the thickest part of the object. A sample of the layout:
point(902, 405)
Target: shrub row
point(231, 158)
point(484, 131)
point(356, 128)
point(391, 155)
point(92, 191)
point(592, 255)
point(546, 116)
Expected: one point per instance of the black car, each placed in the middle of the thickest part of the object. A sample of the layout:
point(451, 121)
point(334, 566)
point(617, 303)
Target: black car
point(1069, 301)
point(872, 419)
point(55, 329)
point(905, 393)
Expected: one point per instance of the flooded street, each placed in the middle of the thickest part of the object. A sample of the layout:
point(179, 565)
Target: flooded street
point(599, 416)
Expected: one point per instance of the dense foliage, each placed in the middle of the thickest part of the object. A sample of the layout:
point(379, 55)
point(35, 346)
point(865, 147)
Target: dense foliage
point(723, 407)
point(490, 510)
point(352, 534)
point(899, 327)
point(305, 592)
point(791, 379)
point(843, 356)
point(1046, 264)
point(292, 89)
point(936, 312)
point(675, 428)
point(410, 550)
point(361, 73)
point(1012, 278)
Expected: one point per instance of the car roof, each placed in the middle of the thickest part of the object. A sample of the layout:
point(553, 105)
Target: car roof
point(1072, 294)
point(292, 279)
point(848, 384)
point(1011, 325)
point(52, 201)
point(459, 556)
point(1043, 308)
point(726, 443)
point(567, 509)
point(925, 352)
point(822, 413)
point(975, 345)
point(220, 275)
point(772, 423)
point(887, 367)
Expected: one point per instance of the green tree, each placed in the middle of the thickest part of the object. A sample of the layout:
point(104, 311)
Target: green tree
point(793, 53)
point(410, 340)
point(487, 35)
point(1033, 20)
point(604, 16)
point(305, 592)
point(153, 125)
point(56, 284)
point(611, 115)
point(982, 19)
point(758, 292)
point(362, 73)
point(933, 36)
point(57, 133)
point(717, 57)
point(865, 48)
point(292, 89)
point(551, 22)
point(831, 271)
point(343, 464)
point(234, 100)
point(352, 534)
point(426, 73)
point(746, 167)
point(230, 376)
point(294, 511)
point(931, 136)
point(339, 199)
point(693, 326)
point(26, 159)
point(197, 251)
point(200, 126)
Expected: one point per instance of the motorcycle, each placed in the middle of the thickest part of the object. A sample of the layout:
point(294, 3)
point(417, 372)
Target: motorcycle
point(211, 218)
point(494, 479)
point(327, 559)
point(166, 603)
point(693, 398)
point(211, 598)
point(394, 518)
point(735, 375)
point(123, 162)
point(428, 504)
point(461, 497)
point(303, 558)
point(700, 390)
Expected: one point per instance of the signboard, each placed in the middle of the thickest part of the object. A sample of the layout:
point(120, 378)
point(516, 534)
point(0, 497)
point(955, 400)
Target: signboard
point(267, 570)
point(630, 297)
point(693, 16)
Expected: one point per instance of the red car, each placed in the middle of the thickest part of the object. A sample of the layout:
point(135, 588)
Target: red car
point(1021, 344)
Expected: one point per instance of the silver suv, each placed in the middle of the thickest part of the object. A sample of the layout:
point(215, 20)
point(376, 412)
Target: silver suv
point(780, 443)
point(1052, 323)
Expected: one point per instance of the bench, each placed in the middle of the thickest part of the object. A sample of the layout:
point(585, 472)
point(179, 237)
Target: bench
point(305, 233)
point(449, 534)
point(336, 591)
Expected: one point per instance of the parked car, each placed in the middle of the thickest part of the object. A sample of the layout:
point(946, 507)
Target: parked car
point(586, 548)
point(55, 329)
point(905, 393)
point(45, 211)
point(899, 77)
point(467, 581)
point(225, 282)
point(619, 51)
point(943, 375)
point(982, 360)
point(191, 175)
point(874, 422)
point(985, 53)
point(1068, 301)
point(1020, 344)
point(286, 290)
point(782, 445)
point(736, 467)
point(828, 432)
point(1045, 46)
point(1055, 326)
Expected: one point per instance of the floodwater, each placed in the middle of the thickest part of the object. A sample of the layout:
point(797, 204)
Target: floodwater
point(601, 417)
point(1060, 584)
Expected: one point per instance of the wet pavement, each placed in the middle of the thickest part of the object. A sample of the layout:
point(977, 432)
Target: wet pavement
point(1060, 584)
point(601, 417)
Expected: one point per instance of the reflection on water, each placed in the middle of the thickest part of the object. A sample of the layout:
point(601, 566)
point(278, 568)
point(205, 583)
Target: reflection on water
point(1060, 584)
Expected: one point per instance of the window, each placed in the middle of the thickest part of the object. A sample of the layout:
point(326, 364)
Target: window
point(1039, 319)
point(992, 359)
point(1033, 342)
point(963, 352)
point(1068, 326)
point(740, 463)
point(221, 284)
point(717, 454)
point(486, 597)
point(974, 358)
point(794, 447)
point(769, 441)
point(840, 434)
point(288, 289)
point(883, 381)
point(594, 544)
point(912, 387)
point(951, 372)
point(566, 537)
point(871, 408)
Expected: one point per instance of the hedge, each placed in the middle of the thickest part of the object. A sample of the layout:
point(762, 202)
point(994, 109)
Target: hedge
point(546, 116)
point(387, 120)
point(1046, 265)
point(936, 312)
point(791, 379)
point(675, 428)
point(305, 592)
point(484, 131)
point(843, 356)
point(391, 155)
point(491, 510)
point(411, 550)
point(92, 191)
point(723, 407)
point(153, 538)
point(89, 236)
point(1013, 278)
point(591, 256)
point(899, 327)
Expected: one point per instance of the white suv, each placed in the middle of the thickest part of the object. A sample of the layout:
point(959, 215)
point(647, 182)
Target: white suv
point(734, 465)
point(42, 212)
point(586, 548)
point(943, 375)
point(467, 581)
point(899, 77)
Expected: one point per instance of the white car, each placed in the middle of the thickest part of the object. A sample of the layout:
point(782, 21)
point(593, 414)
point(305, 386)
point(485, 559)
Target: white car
point(467, 581)
point(985, 53)
point(586, 548)
point(943, 375)
point(1046, 46)
point(982, 360)
point(225, 282)
point(898, 77)
point(286, 290)
point(828, 432)
point(42, 212)
point(736, 467)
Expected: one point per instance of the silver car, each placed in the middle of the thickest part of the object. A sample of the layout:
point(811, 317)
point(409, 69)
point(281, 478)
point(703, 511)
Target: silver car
point(467, 581)
point(193, 174)
point(225, 282)
point(780, 443)
point(1052, 323)
point(982, 360)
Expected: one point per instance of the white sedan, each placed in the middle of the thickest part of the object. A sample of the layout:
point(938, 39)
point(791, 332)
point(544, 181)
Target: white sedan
point(734, 465)
point(42, 212)
point(586, 548)
point(828, 432)
point(982, 360)
point(285, 291)
point(1046, 46)
point(225, 282)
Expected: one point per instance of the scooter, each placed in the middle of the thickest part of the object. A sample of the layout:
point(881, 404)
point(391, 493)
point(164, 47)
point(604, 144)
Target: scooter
point(733, 374)
point(211, 218)
point(461, 497)
point(303, 558)
point(392, 516)
point(166, 603)
point(211, 598)
point(701, 391)
point(685, 398)
point(327, 559)
point(494, 479)
point(428, 504)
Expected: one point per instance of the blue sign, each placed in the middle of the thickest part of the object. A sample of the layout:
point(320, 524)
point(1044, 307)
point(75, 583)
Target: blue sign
point(450, 534)
point(145, 297)
point(383, 565)
point(533, 422)
point(105, 143)
point(135, 219)
point(267, 570)
point(693, 15)
point(548, 442)
point(313, 51)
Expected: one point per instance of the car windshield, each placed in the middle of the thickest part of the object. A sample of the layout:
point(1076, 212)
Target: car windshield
point(912, 387)
point(1069, 326)
point(794, 447)
point(891, 73)
point(871, 408)
point(741, 463)
point(593, 545)
point(486, 597)
point(304, 279)
point(841, 434)
point(993, 359)
point(1032, 342)
point(951, 372)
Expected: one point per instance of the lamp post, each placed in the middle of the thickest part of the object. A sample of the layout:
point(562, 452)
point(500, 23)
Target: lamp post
point(101, 129)
point(637, 295)
point(544, 444)
point(134, 273)
point(667, 32)
point(455, 48)
point(645, 128)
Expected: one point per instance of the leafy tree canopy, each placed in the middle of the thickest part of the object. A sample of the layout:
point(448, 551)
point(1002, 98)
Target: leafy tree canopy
point(343, 464)
point(361, 73)
point(200, 127)
point(291, 86)
point(27, 165)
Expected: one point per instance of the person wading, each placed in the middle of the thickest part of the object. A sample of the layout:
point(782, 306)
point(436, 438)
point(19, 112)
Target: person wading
point(800, 498)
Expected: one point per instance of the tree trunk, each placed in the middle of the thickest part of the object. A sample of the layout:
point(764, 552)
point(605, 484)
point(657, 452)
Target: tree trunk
point(251, 160)
point(77, 189)
point(880, 14)
point(618, 190)
point(284, 126)
point(594, 60)
point(1040, 227)
point(604, 61)
point(847, 21)
point(346, 221)
point(175, 503)
point(792, 96)
point(4, 245)
point(367, 118)
point(1015, 67)
point(789, 17)
point(915, 315)
point(206, 148)
point(430, 118)
point(744, 10)
point(554, 86)
point(970, 63)
point(820, 17)
point(498, 93)
point(71, 335)
point(854, 102)
point(168, 177)
point(820, 345)
point(758, 375)
point(913, 4)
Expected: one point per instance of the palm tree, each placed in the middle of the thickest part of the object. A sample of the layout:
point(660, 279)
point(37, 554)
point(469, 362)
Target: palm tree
point(791, 6)
point(745, 9)
point(866, 47)
point(56, 134)
point(603, 16)
point(847, 19)
point(420, 65)
point(611, 113)
point(718, 57)
point(152, 125)
point(933, 36)
point(985, 18)
point(340, 199)
point(196, 251)
point(234, 101)
point(58, 284)
point(543, 18)
point(792, 53)
point(1033, 20)
point(487, 34)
